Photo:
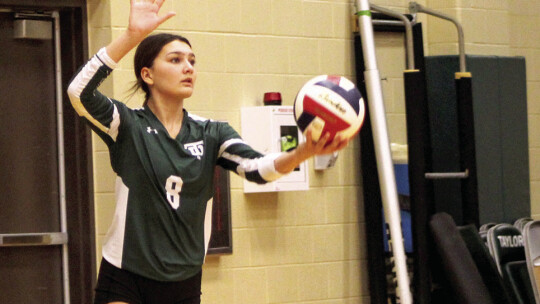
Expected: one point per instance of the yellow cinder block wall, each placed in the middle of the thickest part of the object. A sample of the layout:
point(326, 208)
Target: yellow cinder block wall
point(309, 246)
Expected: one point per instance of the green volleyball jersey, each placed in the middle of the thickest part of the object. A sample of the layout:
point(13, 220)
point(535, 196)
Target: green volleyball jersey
point(160, 228)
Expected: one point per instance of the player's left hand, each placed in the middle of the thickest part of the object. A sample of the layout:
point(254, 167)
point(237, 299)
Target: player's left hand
point(286, 162)
point(323, 146)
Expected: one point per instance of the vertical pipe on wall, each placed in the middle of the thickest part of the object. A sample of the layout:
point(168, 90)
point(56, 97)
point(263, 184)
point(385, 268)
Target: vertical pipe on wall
point(61, 156)
point(382, 150)
point(371, 194)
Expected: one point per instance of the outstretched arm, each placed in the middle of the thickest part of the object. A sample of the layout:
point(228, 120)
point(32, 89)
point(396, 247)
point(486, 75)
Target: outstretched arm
point(143, 19)
point(286, 162)
point(99, 110)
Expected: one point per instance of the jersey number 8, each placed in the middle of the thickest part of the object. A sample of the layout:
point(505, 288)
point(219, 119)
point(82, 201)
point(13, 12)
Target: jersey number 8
point(173, 188)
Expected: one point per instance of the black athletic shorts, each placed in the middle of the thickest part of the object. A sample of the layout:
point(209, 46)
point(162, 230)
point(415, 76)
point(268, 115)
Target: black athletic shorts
point(116, 284)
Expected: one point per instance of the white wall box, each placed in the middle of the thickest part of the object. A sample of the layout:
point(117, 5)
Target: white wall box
point(271, 129)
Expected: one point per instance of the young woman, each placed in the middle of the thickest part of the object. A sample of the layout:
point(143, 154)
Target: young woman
point(164, 159)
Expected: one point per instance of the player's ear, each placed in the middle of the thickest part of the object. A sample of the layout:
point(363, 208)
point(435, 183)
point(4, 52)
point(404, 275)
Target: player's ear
point(146, 75)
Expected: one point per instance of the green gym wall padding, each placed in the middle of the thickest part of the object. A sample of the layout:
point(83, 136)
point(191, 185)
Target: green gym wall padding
point(501, 137)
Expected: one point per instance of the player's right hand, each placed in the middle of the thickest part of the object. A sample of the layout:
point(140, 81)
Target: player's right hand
point(144, 18)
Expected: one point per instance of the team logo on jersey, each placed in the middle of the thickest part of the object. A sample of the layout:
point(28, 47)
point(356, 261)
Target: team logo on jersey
point(151, 130)
point(195, 148)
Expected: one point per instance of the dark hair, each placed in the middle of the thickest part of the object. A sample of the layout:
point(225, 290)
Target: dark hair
point(145, 54)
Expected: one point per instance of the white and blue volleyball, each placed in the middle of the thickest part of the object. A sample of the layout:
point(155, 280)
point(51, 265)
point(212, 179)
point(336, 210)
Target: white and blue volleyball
point(330, 104)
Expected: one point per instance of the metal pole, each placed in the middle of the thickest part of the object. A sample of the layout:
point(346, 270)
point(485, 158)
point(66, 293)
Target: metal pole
point(61, 164)
point(408, 32)
point(382, 149)
point(417, 8)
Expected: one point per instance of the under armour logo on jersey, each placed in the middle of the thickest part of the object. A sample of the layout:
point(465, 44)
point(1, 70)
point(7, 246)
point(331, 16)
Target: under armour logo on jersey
point(151, 130)
point(195, 148)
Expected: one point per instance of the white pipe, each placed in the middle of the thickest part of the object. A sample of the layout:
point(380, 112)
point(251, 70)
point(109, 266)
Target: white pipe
point(61, 156)
point(382, 150)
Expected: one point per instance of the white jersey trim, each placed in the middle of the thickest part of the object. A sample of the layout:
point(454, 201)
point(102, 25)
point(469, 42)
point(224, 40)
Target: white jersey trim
point(229, 143)
point(244, 164)
point(208, 224)
point(197, 117)
point(114, 241)
point(80, 82)
point(104, 57)
point(264, 165)
point(115, 123)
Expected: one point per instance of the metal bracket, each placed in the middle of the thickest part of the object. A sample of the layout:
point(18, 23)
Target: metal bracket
point(447, 175)
point(33, 239)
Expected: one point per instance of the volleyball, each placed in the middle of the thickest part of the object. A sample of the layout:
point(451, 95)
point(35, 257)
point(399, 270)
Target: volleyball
point(330, 104)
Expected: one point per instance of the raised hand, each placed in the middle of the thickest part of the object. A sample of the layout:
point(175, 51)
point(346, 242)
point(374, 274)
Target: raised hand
point(144, 18)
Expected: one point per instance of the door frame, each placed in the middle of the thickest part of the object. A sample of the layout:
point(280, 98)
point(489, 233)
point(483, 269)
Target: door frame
point(77, 146)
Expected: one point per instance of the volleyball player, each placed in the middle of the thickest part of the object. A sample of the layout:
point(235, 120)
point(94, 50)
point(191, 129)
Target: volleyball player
point(164, 159)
